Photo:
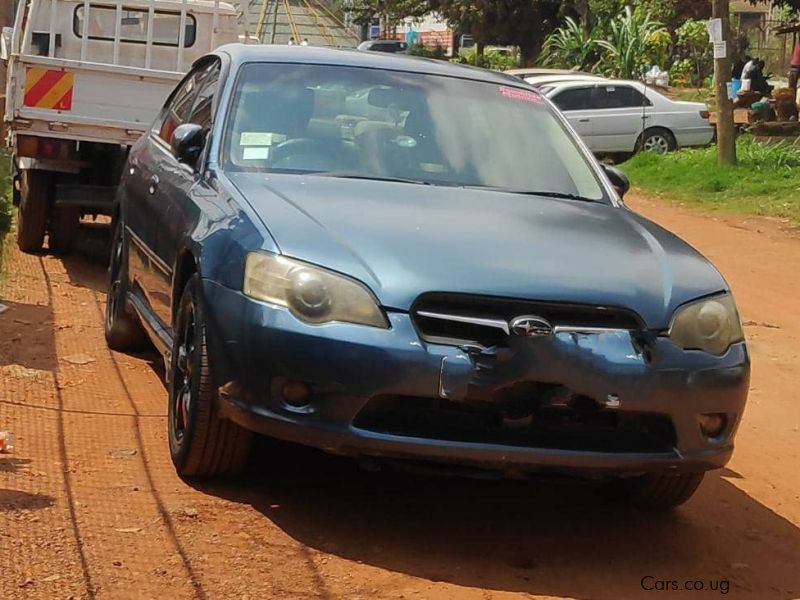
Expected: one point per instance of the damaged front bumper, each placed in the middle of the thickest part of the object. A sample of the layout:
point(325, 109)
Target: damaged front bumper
point(591, 403)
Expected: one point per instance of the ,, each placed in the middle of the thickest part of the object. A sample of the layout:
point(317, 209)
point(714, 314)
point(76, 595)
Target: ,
point(386, 257)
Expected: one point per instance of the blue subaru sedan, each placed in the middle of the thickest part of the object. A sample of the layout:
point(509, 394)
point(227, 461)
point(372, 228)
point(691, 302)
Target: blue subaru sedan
point(387, 257)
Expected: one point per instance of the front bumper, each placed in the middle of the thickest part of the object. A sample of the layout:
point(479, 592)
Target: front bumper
point(256, 347)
